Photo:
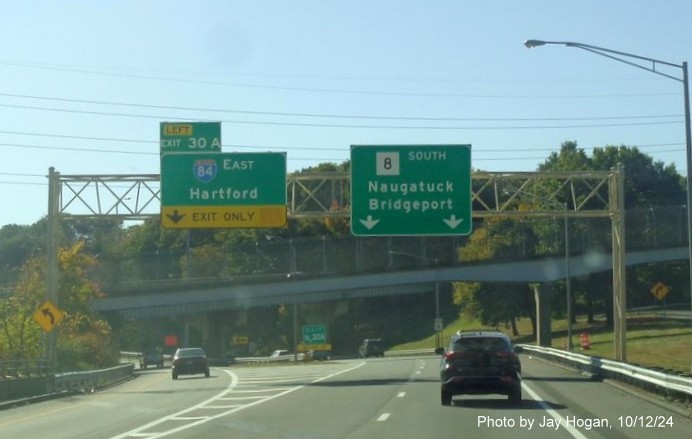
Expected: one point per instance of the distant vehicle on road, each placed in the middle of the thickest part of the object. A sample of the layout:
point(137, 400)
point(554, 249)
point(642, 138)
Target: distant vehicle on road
point(319, 355)
point(371, 347)
point(280, 353)
point(286, 355)
point(151, 357)
point(190, 361)
point(480, 362)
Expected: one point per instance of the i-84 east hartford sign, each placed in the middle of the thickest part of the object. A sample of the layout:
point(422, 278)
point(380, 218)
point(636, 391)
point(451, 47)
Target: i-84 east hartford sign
point(223, 190)
point(410, 190)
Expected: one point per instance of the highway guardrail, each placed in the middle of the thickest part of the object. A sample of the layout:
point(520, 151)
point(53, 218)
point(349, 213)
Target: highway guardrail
point(26, 388)
point(263, 360)
point(23, 368)
point(671, 384)
point(90, 380)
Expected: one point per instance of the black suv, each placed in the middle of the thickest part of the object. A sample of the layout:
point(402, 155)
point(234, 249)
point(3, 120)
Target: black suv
point(480, 362)
point(371, 347)
point(151, 357)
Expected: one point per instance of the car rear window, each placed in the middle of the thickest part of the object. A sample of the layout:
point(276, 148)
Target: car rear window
point(488, 344)
point(191, 353)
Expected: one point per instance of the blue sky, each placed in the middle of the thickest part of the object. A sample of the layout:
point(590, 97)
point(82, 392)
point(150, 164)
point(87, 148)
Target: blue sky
point(85, 84)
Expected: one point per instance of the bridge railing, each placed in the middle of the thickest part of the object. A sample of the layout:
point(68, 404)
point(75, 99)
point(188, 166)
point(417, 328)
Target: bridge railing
point(88, 381)
point(31, 383)
point(23, 368)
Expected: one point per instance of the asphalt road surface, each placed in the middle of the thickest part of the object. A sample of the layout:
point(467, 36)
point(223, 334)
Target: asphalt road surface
point(376, 398)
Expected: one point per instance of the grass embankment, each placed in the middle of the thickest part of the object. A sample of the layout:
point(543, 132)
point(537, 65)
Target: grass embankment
point(651, 340)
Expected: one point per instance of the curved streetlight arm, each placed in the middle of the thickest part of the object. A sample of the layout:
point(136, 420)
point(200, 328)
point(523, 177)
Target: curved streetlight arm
point(623, 58)
point(615, 55)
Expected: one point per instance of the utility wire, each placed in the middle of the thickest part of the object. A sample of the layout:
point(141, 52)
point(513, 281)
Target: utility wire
point(338, 116)
point(328, 90)
point(327, 125)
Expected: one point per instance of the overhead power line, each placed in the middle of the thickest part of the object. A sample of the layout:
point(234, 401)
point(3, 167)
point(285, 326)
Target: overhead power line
point(323, 90)
point(345, 126)
point(340, 116)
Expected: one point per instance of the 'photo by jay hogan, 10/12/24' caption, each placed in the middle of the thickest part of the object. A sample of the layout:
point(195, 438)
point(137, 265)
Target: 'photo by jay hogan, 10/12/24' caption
point(549, 422)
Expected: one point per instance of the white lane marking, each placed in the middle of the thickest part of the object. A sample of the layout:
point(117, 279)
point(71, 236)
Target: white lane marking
point(563, 422)
point(139, 431)
point(261, 390)
point(383, 417)
point(401, 394)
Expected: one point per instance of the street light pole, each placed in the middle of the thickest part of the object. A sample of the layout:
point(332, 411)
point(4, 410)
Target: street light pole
point(626, 58)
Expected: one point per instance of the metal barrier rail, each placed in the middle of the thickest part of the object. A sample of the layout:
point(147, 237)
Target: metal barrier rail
point(126, 357)
point(409, 352)
point(92, 379)
point(262, 360)
point(672, 385)
point(23, 368)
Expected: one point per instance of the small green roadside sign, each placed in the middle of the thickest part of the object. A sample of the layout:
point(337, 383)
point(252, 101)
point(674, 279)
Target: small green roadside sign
point(410, 190)
point(315, 334)
point(190, 137)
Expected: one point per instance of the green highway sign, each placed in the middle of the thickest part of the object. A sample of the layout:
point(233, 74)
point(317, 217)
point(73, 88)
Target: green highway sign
point(223, 190)
point(315, 334)
point(190, 137)
point(410, 190)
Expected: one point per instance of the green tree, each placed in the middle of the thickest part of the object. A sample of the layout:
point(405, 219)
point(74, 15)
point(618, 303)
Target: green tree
point(17, 244)
point(84, 339)
point(648, 184)
point(20, 336)
point(496, 304)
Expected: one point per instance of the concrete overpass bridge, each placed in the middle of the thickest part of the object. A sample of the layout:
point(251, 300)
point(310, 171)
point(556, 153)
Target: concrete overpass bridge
point(320, 288)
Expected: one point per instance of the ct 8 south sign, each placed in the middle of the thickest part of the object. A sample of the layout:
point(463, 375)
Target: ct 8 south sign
point(411, 190)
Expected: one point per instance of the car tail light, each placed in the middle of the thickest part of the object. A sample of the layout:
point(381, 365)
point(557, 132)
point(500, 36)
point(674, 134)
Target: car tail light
point(451, 355)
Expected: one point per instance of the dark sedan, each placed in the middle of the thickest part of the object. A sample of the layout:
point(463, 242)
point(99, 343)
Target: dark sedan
point(190, 361)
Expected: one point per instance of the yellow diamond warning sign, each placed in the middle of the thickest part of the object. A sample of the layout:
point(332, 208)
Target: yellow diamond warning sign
point(48, 316)
point(659, 291)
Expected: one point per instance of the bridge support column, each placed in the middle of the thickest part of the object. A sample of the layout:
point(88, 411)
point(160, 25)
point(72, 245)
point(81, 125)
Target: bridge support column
point(543, 312)
point(186, 334)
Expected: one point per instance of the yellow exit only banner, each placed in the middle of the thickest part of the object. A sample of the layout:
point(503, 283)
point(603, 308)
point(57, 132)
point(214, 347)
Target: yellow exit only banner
point(204, 217)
